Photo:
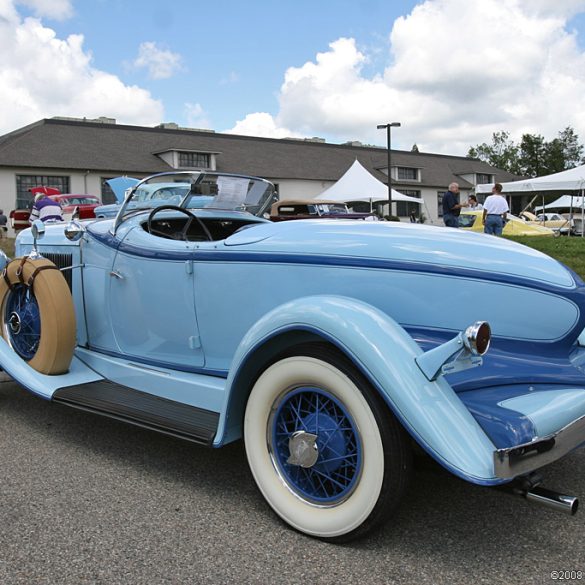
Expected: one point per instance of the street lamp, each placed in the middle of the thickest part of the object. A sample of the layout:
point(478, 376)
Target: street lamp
point(389, 143)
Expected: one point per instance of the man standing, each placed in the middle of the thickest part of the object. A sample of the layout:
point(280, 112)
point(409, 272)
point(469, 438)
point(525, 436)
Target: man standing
point(495, 212)
point(451, 206)
point(45, 209)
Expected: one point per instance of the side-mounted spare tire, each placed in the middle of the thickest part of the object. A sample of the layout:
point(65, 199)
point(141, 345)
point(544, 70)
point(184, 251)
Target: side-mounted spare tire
point(37, 317)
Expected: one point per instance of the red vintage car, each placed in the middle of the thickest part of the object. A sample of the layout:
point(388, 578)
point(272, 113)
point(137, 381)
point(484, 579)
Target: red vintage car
point(85, 203)
point(19, 218)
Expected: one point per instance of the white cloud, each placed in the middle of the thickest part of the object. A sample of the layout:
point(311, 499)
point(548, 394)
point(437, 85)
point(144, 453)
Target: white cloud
point(196, 116)
point(458, 71)
point(160, 63)
point(56, 9)
point(262, 124)
point(44, 76)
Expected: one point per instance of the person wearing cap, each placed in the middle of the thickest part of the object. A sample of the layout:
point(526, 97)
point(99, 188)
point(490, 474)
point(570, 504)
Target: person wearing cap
point(495, 212)
point(45, 209)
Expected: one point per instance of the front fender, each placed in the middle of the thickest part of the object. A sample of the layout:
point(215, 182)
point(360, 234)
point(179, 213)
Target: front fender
point(385, 353)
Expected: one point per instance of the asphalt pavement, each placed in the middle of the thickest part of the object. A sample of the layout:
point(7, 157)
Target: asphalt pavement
point(88, 500)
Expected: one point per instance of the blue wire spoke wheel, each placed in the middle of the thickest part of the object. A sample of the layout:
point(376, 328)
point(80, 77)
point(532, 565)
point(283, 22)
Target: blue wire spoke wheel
point(325, 451)
point(313, 419)
point(22, 321)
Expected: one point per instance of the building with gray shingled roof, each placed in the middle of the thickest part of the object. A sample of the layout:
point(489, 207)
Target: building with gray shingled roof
point(79, 155)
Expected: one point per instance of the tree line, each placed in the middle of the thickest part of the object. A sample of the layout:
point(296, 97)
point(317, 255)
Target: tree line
point(533, 156)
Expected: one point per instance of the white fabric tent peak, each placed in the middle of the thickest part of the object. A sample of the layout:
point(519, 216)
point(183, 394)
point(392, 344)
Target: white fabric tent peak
point(358, 184)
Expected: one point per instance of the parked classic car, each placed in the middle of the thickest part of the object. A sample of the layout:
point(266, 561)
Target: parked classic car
point(330, 347)
point(314, 209)
point(554, 221)
point(471, 220)
point(84, 203)
point(146, 197)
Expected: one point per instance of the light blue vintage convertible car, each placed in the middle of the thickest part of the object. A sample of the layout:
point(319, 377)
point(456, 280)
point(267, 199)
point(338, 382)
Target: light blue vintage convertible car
point(331, 348)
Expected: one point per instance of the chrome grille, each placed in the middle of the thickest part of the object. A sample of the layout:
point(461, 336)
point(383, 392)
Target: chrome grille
point(62, 261)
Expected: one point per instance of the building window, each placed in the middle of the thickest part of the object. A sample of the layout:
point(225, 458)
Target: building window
point(405, 208)
point(199, 160)
point(406, 174)
point(482, 179)
point(440, 202)
point(24, 198)
point(106, 193)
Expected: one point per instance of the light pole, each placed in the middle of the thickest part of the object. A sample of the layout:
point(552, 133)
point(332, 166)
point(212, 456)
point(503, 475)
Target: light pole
point(389, 143)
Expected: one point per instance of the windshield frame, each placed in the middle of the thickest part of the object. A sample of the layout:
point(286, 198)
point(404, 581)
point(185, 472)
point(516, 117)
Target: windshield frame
point(195, 178)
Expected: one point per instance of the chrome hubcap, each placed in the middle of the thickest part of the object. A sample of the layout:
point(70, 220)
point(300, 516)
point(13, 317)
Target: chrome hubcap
point(14, 323)
point(303, 449)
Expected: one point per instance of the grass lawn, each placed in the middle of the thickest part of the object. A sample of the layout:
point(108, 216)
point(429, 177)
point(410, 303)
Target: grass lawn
point(568, 250)
point(7, 244)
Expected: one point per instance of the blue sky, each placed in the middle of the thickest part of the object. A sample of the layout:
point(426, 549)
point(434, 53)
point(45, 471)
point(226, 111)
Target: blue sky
point(234, 53)
point(451, 71)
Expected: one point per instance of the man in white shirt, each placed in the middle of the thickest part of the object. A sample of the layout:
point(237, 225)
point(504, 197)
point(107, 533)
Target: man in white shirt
point(495, 211)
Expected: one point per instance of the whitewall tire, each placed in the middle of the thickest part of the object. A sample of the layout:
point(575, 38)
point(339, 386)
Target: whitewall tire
point(323, 448)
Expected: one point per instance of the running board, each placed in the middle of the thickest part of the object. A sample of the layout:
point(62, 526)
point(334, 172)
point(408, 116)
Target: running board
point(142, 409)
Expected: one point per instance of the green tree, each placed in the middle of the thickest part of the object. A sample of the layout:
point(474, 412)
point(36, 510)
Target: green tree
point(564, 152)
point(533, 157)
point(502, 153)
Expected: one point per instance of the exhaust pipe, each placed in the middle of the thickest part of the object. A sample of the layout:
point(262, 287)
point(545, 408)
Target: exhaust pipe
point(553, 500)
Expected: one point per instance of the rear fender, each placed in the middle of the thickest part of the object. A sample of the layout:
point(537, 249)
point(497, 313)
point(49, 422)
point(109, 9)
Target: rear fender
point(385, 353)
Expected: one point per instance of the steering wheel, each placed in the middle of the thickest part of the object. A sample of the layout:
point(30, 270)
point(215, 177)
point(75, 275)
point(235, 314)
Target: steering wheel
point(184, 231)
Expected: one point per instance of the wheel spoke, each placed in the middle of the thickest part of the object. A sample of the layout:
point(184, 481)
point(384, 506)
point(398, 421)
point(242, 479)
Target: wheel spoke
point(335, 470)
point(23, 318)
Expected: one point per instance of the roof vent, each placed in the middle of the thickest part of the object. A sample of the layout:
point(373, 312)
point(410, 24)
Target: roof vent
point(100, 120)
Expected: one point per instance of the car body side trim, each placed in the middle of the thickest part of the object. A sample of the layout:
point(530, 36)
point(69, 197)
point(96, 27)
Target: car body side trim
point(208, 255)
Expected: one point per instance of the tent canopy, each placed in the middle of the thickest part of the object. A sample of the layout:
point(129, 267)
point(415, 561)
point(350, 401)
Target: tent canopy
point(564, 201)
point(357, 184)
point(569, 180)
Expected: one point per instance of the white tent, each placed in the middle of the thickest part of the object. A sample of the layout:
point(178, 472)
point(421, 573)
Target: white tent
point(357, 184)
point(570, 180)
point(564, 201)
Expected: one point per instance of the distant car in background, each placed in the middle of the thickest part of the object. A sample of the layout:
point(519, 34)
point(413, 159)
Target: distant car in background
point(314, 209)
point(86, 204)
point(19, 219)
point(554, 221)
point(148, 196)
point(471, 220)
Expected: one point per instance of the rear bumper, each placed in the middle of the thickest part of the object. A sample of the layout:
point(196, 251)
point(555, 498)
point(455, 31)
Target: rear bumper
point(521, 459)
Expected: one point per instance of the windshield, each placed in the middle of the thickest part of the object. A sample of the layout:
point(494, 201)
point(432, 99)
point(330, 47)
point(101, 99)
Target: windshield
point(466, 220)
point(332, 208)
point(197, 190)
point(79, 200)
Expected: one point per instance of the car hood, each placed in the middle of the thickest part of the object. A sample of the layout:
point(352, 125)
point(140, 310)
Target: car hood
point(412, 243)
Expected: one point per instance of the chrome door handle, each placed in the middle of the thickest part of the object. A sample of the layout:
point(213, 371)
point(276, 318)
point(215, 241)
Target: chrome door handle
point(116, 274)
